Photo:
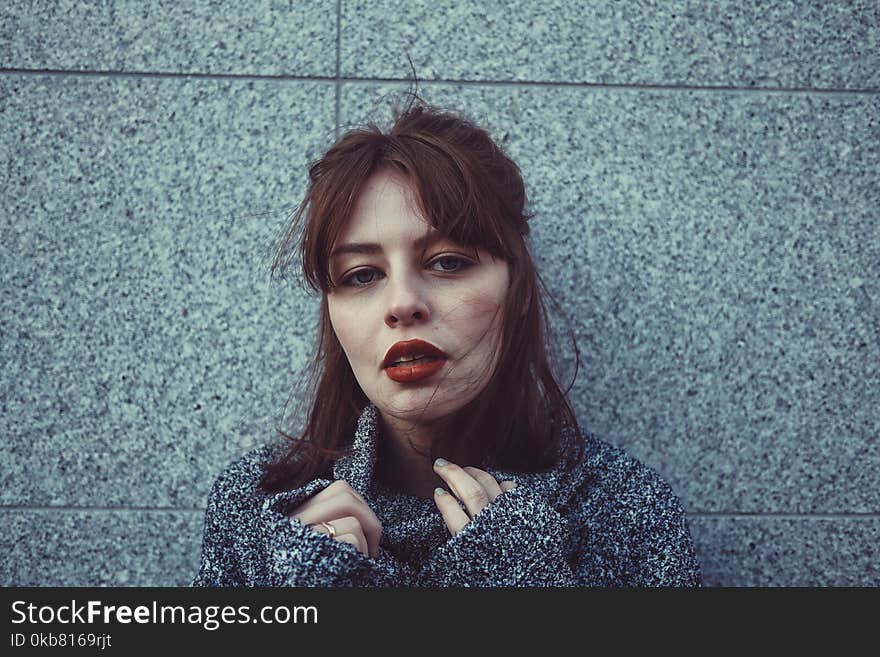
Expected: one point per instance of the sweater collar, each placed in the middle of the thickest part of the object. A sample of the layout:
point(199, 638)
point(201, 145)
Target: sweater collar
point(358, 466)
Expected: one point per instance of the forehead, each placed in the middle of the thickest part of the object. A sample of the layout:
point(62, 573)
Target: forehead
point(385, 212)
point(385, 189)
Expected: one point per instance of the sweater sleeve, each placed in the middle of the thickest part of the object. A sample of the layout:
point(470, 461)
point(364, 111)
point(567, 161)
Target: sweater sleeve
point(249, 540)
point(516, 540)
point(293, 554)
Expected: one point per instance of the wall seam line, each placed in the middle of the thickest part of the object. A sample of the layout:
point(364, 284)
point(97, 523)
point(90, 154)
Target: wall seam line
point(336, 126)
point(779, 515)
point(339, 79)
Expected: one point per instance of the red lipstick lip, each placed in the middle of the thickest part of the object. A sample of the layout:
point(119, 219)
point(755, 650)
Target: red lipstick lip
point(409, 348)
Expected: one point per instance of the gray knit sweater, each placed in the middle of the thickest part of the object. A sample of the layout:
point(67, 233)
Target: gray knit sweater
point(611, 522)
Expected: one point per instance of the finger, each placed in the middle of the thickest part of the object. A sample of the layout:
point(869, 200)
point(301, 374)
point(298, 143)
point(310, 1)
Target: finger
point(340, 506)
point(466, 488)
point(343, 485)
point(348, 526)
point(354, 523)
point(353, 528)
point(486, 480)
point(356, 541)
point(453, 515)
point(340, 486)
point(508, 485)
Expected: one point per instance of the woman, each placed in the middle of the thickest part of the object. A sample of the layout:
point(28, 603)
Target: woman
point(439, 449)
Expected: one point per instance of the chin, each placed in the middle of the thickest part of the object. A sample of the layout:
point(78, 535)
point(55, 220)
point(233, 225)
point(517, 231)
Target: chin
point(418, 405)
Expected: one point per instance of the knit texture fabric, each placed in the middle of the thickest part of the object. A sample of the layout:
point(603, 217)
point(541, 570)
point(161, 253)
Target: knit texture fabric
point(611, 522)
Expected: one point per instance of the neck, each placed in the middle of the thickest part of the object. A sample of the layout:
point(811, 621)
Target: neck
point(403, 460)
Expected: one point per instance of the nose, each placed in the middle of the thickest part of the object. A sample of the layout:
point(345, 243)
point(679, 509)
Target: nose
point(406, 304)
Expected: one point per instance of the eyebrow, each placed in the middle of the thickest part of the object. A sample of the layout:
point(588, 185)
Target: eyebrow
point(372, 248)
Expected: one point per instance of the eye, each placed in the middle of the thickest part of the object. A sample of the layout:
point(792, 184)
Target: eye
point(358, 278)
point(461, 262)
point(354, 280)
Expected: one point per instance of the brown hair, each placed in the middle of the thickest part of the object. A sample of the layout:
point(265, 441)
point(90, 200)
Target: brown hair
point(473, 193)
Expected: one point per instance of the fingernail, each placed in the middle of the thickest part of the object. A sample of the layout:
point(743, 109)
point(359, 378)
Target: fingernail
point(440, 462)
point(439, 491)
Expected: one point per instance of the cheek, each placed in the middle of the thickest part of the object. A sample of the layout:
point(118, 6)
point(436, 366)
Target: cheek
point(485, 302)
point(345, 328)
point(475, 314)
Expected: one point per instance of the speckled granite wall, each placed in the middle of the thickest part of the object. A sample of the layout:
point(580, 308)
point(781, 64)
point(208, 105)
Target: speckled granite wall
point(705, 178)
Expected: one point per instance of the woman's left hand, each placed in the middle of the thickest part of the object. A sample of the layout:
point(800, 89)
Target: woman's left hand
point(474, 487)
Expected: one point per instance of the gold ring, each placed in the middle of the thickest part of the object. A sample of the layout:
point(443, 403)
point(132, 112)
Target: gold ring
point(330, 529)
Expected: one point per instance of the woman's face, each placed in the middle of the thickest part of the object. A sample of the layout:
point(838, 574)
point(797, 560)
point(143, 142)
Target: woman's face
point(396, 294)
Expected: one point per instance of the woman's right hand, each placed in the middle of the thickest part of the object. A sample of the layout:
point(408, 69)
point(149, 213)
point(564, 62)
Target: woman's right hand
point(340, 505)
